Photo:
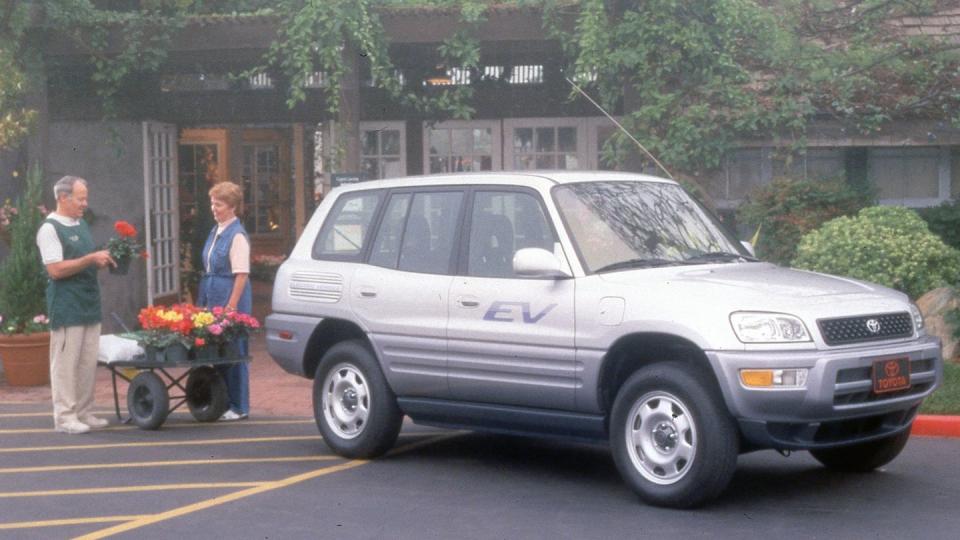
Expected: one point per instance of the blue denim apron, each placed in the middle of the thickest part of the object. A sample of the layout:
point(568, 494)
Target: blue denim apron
point(216, 284)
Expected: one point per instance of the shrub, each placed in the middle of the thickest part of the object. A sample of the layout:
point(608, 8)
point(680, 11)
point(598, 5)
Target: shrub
point(944, 221)
point(23, 278)
point(888, 245)
point(786, 209)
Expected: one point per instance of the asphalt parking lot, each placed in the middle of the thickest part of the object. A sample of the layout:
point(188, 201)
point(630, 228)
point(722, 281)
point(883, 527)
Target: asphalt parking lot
point(272, 477)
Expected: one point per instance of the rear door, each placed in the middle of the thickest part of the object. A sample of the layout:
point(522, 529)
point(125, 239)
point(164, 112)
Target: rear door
point(402, 294)
point(511, 339)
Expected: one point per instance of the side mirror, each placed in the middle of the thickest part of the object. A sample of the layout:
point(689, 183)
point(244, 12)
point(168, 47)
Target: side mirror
point(537, 263)
point(749, 247)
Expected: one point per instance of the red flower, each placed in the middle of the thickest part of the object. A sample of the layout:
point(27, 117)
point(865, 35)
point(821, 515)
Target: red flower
point(144, 254)
point(199, 342)
point(125, 229)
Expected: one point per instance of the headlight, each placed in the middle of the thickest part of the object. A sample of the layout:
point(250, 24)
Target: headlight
point(917, 319)
point(756, 327)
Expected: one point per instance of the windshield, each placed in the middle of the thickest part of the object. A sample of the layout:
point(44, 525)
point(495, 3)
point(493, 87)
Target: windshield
point(620, 225)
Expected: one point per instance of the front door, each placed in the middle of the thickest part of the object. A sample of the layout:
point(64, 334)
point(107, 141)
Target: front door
point(511, 340)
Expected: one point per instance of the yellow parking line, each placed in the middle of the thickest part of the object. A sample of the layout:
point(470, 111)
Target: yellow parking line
point(126, 489)
point(48, 413)
point(63, 522)
point(286, 482)
point(136, 464)
point(31, 431)
point(157, 443)
point(216, 501)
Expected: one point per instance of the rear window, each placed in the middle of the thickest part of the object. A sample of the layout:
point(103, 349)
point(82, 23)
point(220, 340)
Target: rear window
point(347, 228)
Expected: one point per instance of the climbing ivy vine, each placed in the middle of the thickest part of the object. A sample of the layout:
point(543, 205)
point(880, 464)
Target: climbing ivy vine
point(697, 77)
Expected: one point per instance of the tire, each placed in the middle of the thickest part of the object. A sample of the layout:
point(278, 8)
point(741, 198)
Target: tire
point(863, 457)
point(147, 400)
point(206, 394)
point(671, 437)
point(354, 408)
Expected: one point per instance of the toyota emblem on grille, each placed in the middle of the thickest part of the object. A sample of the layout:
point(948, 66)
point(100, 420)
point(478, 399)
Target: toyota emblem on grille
point(873, 326)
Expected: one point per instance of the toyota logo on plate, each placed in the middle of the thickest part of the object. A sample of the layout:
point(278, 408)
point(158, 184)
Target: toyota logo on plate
point(873, 326)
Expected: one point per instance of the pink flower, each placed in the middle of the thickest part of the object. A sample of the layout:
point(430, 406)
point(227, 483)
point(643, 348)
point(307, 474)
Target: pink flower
point(215, 329)
point(41, 319)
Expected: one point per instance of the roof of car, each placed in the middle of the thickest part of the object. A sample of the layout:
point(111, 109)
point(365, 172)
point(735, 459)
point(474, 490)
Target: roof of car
point(527, 178)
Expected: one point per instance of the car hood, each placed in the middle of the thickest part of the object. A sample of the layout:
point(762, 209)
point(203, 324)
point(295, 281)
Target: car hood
point(761, 286)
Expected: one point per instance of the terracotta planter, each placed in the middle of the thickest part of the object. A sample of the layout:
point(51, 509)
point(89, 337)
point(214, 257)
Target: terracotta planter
point(26, 358)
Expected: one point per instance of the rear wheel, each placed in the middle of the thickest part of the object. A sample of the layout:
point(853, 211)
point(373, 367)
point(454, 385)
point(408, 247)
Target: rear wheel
point(671, 437)
point(354, 408)
point(863, 457)
point(206, 394)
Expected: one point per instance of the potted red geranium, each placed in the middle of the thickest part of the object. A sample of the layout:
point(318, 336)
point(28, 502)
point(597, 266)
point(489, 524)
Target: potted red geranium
point(124, 247)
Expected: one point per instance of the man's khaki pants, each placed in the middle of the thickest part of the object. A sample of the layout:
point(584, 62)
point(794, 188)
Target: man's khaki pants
point(73, 367)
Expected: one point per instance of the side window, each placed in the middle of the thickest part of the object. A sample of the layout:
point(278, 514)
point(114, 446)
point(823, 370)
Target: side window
point(386, 248)
point(428, 234)
point(500, 224)
point(346, 229)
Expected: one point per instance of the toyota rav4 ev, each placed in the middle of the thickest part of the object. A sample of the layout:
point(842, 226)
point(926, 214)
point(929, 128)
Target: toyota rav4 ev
point(591, 305)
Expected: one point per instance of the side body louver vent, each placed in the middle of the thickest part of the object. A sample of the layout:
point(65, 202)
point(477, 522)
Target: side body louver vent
point(316, 287)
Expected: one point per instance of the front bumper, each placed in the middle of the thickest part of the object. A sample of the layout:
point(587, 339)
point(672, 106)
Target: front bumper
point(837, 406)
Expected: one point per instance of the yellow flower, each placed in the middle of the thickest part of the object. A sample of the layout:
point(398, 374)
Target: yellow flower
point(202, 319)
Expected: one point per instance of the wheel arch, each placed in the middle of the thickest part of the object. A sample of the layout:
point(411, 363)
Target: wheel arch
point(634, 351)
point(328, 333)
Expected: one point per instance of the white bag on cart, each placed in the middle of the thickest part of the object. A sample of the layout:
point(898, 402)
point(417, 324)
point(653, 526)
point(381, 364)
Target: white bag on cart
point(114, 348)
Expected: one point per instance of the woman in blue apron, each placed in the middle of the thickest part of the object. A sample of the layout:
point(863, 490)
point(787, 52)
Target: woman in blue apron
point(225, 283)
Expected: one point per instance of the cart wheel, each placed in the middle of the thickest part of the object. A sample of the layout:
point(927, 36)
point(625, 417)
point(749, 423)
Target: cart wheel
point(207, 395)
point(147, 400)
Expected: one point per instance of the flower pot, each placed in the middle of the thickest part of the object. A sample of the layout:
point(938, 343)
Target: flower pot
point(171, 353)
point(204, 354)
point(123, 266)
point(26, 358)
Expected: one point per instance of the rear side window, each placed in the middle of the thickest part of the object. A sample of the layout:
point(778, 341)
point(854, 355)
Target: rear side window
point(347, 228)
point(417, 232)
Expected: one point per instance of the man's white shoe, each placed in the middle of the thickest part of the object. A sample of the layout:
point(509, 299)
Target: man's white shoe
point(73, 428)
point(95, 422)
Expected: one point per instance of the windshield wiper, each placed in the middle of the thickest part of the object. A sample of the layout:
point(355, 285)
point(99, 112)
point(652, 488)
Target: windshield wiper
point(637, 263)
point(720, 256)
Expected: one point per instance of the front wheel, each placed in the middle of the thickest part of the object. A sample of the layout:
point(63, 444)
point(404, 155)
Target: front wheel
point(671, 437)
point(863, 457)
point(354, 408)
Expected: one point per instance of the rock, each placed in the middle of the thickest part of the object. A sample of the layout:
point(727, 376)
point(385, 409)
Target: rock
point(934, 306)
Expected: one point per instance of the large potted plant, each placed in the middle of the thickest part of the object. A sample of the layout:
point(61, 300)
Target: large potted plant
point(24, 335)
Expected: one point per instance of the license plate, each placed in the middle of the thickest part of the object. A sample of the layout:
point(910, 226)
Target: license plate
point(891, 375)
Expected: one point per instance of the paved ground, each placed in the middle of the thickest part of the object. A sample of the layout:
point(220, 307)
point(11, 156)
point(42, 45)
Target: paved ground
point(274, 478)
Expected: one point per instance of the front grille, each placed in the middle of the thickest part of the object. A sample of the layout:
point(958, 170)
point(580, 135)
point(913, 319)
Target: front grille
point(846, 330)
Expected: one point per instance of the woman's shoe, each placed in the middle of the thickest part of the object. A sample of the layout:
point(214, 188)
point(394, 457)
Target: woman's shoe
point(232, 415)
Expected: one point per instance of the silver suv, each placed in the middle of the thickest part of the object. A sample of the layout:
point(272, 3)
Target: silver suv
point(590, 305)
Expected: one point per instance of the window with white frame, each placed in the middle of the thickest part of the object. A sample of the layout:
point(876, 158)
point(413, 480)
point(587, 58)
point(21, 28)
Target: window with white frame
point(457, 146)
point(742, 171)
point(383, 149)
point(546, 143)
point(813, 163)
point(910, 176)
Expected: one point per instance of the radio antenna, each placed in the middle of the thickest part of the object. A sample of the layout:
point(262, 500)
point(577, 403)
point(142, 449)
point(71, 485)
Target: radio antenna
point(623, 129)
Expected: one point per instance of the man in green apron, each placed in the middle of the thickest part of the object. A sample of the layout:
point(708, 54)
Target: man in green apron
point(73, 306)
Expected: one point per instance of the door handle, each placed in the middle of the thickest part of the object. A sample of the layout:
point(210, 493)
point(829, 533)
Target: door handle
point(368, 292)
point(468, 301)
